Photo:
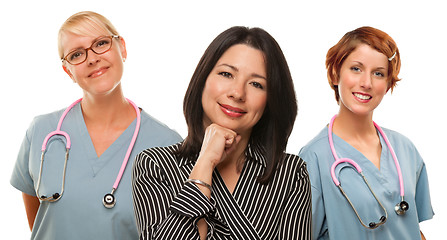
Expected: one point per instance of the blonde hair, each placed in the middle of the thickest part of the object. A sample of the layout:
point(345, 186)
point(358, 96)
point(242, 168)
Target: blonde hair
point(85, 23)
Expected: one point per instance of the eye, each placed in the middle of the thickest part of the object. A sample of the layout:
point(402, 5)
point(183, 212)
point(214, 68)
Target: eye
point(257, 85)
point(75, 54)
point(355, 69)
point(379, 74)
point(101, 43)
point(226, 74)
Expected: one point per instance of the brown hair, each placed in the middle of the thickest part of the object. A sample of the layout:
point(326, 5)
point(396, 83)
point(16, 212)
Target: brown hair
point(271, 132)
point(373, 37)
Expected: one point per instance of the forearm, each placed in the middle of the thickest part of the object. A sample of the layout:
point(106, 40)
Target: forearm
point(203, 171)
point(32, 204)
point(163, 214)
point(159, 220)
point(173, 226)
point(422, 236)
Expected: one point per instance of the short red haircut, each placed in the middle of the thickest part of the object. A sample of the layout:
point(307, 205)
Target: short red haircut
point(373, 37)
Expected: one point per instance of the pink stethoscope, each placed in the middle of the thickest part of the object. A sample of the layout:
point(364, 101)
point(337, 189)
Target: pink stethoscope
point(109, 199)
point(400, 208)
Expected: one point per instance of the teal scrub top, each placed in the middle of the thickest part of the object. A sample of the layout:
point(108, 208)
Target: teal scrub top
point(80, 213)
point(334, 218)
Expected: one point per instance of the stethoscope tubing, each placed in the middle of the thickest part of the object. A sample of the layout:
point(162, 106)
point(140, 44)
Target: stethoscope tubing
point(359, 169)
point(396, 162)
point(129, 150)
point(58, 131)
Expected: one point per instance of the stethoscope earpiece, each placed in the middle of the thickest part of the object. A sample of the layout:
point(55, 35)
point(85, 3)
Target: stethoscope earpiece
point(109, 200)
point(401, 208)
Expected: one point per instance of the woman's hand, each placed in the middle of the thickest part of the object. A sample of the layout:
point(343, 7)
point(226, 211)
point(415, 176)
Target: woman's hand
point(218, 142)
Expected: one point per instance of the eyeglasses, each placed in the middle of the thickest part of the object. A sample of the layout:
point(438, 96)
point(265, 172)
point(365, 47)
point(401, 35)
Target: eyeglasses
point(99, 46)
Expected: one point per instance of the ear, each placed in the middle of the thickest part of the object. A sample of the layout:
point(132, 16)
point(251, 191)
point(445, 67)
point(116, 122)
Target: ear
point(335, 82)
point(69, 73)
point(390, 86)
point(123, 48)
point(335, 78)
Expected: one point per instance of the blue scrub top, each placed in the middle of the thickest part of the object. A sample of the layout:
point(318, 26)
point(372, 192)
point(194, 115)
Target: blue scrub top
point(333, 217)
point(80, 213)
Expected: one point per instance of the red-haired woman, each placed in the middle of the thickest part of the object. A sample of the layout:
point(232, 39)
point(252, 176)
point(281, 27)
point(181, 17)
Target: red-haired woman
point(367, 183)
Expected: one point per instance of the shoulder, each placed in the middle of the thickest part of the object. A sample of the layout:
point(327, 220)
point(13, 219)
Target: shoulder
point(293, 160)
point(44, 123)
point(404, 148)
point(315, 145)
point(294, 164)
point(48, 118)
point(157, 129)
point(397, 138)
point(157, 162)
point(150, 121)
point(158, 155)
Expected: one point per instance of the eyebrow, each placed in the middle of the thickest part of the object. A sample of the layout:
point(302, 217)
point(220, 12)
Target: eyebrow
point(360, 63)
point(255, 75)
point(83, 48)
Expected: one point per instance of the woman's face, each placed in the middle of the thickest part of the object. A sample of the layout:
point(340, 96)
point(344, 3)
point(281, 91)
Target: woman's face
point(363, 80)
point(99, 74)
point(235, 92)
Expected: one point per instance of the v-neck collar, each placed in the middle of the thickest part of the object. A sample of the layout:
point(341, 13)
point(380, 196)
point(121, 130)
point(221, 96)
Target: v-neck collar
point(97, 163)
point(344, 149)
point(229, 209)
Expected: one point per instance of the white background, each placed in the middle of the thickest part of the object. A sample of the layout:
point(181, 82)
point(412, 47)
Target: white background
point(166, 39)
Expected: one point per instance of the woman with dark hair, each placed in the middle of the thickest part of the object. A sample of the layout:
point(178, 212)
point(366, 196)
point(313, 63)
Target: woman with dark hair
point(230, 178)
point(372, 179)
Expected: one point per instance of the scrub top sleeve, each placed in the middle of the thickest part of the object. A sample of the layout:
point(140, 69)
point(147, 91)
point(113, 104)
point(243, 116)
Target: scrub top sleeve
point(422, 198)
point(318, 211)
point(21, 178)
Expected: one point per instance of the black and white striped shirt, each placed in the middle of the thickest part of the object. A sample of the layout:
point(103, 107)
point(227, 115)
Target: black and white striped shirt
point(167, 208)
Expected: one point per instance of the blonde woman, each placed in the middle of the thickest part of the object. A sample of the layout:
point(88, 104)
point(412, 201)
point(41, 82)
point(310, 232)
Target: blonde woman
point(86, 194)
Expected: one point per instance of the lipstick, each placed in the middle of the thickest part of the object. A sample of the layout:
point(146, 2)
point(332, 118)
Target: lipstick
point(231, 111)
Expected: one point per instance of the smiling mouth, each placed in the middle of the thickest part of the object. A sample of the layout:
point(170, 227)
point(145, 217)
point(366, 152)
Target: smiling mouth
point(98, 72)
point(232, 109)
point(362, 96)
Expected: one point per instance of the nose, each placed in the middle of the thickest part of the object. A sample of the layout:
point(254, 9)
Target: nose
point(92, 58)
point(366, 81)
point(237, 91)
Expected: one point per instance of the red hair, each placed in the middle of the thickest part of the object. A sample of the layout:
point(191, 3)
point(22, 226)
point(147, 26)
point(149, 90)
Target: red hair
point(373, 37)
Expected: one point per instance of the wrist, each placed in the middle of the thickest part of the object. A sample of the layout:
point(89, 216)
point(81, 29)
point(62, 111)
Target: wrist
point(199, 182)
point(205, 162)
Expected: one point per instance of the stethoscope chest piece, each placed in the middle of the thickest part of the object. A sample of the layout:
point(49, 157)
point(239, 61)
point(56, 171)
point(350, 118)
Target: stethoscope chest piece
point(109, 200)
point(401, 208)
